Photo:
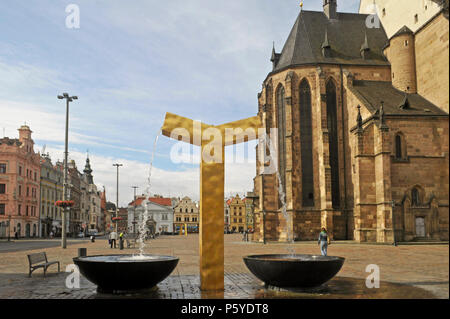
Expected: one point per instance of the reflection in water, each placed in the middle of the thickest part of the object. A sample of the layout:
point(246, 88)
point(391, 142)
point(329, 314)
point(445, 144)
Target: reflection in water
point(346, 288)
point(243, 286)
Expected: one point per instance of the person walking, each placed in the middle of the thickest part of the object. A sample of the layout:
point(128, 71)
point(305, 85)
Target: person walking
point(113, 238)
point(121, 241)
point(324, 241)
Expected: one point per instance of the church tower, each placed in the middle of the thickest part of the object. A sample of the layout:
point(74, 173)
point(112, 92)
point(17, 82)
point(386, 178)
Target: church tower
point(88, 172)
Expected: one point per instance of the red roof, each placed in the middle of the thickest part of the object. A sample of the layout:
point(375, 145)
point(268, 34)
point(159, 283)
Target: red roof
point(157, 200)
point(161, 201)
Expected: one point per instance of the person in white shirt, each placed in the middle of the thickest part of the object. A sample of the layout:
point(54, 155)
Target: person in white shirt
point(113, 238)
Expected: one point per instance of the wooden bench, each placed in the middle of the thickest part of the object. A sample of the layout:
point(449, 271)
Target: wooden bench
point(39, 260)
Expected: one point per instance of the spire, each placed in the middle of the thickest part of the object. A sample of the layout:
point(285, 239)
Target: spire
point(88, 171)
point(275, 57)
point(383, 125)
point(330, 9)
point(359, 119)
point(405, 102)
point(326, 47)
point(365, 47)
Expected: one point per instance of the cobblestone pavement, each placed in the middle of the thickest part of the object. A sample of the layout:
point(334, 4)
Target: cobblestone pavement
point(405, 271)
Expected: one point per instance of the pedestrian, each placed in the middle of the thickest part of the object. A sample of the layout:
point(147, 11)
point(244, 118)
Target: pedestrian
point(121, 240)
point(324, 241)
point(113, 238)
point(51, 234)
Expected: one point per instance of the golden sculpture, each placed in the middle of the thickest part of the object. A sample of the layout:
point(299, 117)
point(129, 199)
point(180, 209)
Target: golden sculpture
point(212, 140)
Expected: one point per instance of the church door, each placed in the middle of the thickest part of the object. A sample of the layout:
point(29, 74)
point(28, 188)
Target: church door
point(420, 226)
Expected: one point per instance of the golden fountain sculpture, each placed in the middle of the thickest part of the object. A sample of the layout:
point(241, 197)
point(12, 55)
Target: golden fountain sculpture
point(212, 140)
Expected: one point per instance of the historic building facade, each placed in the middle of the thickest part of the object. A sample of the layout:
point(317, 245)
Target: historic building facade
point(238, 219)
point(91, 200)
point(360, 150)
point(186, 214)
point(20, 175)
point(160, 214)
point(249, 211)
point(52, 177)
point(76, 217)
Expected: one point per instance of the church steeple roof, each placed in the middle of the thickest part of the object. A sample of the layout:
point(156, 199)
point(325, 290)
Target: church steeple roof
point(88, 171)
point(313, 33)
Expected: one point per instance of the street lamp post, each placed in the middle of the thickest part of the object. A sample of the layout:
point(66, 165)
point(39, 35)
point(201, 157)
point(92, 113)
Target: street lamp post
point(117, 194)
point(66, 153)
point(134, 211)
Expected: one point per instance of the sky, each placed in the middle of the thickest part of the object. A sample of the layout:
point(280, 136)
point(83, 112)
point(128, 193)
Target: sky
point(129, 63)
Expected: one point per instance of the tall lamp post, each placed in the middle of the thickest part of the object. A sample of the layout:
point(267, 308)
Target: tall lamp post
point(134, 211)
point(117, 194)
point(66, 153)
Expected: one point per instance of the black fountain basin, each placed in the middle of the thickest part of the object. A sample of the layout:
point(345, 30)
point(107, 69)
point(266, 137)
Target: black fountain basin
point(117, 273)
point(294, 271)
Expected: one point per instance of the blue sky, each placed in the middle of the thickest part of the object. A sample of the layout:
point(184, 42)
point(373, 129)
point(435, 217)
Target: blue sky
point(129, 63)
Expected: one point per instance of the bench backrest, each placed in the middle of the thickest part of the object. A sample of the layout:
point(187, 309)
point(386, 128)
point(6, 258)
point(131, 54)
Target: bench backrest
point(37, 258)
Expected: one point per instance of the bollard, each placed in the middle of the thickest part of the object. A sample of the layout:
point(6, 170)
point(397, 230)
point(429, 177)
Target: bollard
point(82, 252)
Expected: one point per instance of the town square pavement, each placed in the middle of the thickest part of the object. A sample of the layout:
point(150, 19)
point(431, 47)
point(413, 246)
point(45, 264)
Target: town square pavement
point(406, 271)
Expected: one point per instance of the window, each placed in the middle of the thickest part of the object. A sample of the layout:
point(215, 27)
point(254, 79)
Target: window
point(2, 168)
point(186, 219)
point(20, 170)
point(406, 43)
point(400, 149)
point(306, 144)
point(415, 197)
point(19, 209)
point(2, 188)
point(2, 209)
point(333, 142)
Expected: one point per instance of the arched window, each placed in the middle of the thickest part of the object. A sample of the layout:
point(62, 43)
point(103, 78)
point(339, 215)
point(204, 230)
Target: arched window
point(306, 144)
point(415, 197)
point(333, 141)
point(398, 146)
point(281, 123)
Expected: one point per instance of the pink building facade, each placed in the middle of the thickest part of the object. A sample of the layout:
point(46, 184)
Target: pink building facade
point(19, 186)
